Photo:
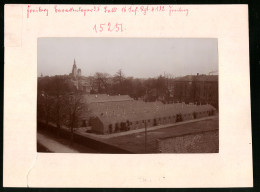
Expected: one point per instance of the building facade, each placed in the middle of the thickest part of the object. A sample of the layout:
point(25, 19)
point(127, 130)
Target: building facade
point(199, 89)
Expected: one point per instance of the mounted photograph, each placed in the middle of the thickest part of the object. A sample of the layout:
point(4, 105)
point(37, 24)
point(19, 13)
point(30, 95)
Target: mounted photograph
point(127, 95)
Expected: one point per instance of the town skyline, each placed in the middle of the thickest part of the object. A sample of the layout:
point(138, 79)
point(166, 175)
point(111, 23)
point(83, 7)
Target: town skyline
point(165, 74)
point(56, 56)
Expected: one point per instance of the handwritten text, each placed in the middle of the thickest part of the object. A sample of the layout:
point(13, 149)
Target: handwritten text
point(108, 27)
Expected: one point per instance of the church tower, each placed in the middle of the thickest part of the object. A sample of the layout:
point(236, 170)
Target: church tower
point(74, 70)
point(79, 72)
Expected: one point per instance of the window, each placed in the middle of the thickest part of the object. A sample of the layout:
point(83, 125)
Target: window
point(179, 118)
point(84, 123)
point(110, 128)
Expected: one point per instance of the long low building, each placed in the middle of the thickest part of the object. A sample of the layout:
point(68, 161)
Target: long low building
point(110, 117)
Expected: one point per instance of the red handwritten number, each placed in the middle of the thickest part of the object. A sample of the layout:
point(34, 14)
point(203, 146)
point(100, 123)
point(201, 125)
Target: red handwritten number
point(108, 27)
point(95, 28)
point(117, 28)
point(121, 27)
point(101, 28)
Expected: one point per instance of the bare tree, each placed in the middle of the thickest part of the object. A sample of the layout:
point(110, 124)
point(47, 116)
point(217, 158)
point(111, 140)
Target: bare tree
point(119, 79)
point(59, 89)
point(58, 106)
point(46, 101)
point(74, 109)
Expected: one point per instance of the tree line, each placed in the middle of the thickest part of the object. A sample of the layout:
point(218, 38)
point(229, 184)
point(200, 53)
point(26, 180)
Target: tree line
point(123, 85)
point(104, 83)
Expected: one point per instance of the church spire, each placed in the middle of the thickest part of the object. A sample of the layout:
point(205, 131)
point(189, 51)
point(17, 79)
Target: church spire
point(74, 69)
point(74, 62)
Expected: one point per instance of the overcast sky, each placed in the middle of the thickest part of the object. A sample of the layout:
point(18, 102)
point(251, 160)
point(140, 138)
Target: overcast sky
point(137, 57)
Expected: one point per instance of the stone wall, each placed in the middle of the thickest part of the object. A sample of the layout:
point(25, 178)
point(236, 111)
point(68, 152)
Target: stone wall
point(202, 142)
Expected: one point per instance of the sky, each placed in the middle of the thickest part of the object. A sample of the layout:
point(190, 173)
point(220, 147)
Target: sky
point(136, 57)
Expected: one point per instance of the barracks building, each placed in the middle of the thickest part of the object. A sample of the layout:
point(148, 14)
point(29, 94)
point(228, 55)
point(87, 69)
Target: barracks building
point(111, 114)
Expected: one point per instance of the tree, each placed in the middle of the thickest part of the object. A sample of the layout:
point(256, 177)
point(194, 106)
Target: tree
point(138, 88)
point(55, 88)
point(161, 84)
point(127, 86)
point(44, 105)
point(60, 88)
point(50, 84)
point(75, 108)
point(101, 82)
point(118, 79)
